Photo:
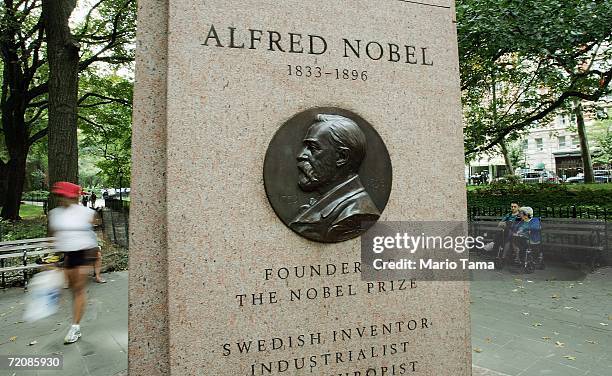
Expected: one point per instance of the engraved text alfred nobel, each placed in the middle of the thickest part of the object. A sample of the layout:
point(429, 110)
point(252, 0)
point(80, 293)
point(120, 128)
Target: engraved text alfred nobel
point(253, 39)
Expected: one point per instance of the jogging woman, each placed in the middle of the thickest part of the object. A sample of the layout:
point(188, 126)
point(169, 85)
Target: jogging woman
point(72, 226)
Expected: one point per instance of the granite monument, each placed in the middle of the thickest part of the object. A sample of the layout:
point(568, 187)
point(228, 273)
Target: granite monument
point(234, 270)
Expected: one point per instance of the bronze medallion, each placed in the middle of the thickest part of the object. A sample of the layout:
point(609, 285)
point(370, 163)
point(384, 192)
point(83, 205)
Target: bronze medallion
point(327, 174)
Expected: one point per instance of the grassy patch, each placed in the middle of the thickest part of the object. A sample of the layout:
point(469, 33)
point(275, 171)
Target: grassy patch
point(29, 228)
point(30, 211)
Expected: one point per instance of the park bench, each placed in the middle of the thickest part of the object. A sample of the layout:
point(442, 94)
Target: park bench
point(586, 235)
point(17, 255)
point(589, 237)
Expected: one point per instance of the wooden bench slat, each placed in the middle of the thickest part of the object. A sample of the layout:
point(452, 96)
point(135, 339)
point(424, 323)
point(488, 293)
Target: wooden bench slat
point(488, 228)
point(588, 220)
point(11, 255)
point(581, 224)
point(26, 241)
point(554, 227)
point(568, 232)
point(26, 247)
point(566, 245)
point(568, 224)
point(547, 220)
point(18, 268)
point(30, 254)
point(41, 252)
point(546, 225)
point(574, 228)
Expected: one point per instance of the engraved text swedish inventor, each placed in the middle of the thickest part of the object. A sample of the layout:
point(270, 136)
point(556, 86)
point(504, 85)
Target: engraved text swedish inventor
point(328, 163)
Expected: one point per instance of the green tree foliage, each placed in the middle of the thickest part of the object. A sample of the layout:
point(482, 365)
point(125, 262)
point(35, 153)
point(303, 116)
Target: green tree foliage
point(538, 54)
point(517, 155)
point(36, 168)
point(105, 36)
point(105, 122)
point(602, 134)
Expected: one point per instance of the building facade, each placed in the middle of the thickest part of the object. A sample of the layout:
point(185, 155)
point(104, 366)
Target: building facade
point(552, 147)
point(555, 147)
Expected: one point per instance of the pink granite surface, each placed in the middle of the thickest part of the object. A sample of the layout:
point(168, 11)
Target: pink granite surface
point(148, 309)
point(222, 108)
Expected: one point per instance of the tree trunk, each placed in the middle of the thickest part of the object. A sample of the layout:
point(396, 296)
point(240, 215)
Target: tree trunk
point(507, 161)
point(13, 101)
point(63, 53)
point(16, 171)
point(584, 144)
point(16, 141)
point(3, 181)
point(16, 138)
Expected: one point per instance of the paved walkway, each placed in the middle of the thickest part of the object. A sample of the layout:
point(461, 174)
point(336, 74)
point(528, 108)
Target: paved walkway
point(480, 371)
point(521, 326)
point(102, 351)
point(537, 324)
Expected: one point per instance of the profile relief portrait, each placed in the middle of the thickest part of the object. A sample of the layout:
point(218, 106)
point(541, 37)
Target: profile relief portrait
point(328, 163)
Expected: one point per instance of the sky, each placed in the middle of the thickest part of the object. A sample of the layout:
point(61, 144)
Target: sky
point(80, 12)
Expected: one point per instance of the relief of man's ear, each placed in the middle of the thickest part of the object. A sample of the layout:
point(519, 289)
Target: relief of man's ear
point(343, 155)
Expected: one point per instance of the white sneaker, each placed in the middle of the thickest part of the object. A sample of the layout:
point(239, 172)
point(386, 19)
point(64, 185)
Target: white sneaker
point(73, 334)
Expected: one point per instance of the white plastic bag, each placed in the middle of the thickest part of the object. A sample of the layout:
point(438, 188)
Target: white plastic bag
point(44, 290)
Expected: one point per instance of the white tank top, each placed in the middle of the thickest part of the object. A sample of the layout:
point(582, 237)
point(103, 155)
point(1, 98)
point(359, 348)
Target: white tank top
point(72, 228)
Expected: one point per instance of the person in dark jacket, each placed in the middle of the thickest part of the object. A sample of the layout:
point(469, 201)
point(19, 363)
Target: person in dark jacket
point(93, 199)
point(508, 226)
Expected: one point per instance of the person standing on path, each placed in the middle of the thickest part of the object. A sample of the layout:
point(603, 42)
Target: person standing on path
point(93, 199)
point(98, 267)
point(72, 227)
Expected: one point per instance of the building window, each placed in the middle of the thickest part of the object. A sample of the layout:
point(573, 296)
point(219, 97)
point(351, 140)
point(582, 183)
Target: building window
point(539, 144)
point(525, 145)
point(561, 142)
point(575, 141)
point(560, 120)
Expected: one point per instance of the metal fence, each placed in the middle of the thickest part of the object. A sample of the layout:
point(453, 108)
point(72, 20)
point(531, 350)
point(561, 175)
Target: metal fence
point(545, 212)
point(35, 196)
point(37, 199)
point(114, 215)
point(115, 220)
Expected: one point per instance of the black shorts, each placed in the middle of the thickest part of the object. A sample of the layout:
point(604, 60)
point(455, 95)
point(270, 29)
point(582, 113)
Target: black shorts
point(80, 258)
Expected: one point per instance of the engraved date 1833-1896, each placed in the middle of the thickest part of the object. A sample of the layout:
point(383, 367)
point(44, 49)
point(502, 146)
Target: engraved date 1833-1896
point(308, 71)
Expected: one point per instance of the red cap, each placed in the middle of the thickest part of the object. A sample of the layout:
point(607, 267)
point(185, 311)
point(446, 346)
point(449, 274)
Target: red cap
point(66, 189)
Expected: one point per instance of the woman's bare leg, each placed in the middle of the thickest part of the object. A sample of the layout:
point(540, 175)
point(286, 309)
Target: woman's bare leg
point(78, 284)
point(98, 267)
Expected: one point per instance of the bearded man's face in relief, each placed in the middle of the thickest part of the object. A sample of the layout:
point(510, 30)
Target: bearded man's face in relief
point(317, 160)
